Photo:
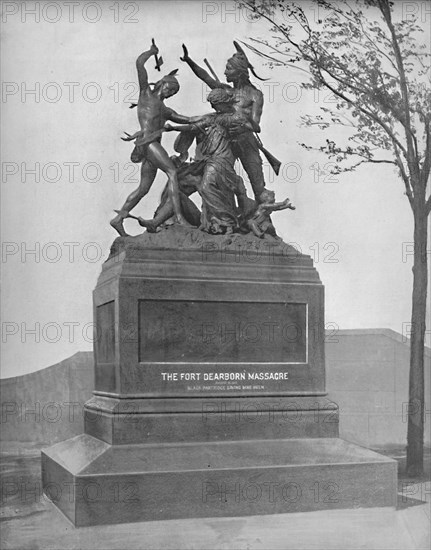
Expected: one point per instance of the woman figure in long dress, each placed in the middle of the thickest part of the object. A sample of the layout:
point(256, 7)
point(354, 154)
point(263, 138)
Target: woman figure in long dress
point(220, 184)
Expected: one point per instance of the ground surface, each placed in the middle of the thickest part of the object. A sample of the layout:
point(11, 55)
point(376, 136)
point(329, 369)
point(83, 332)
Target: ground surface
point(29, 521)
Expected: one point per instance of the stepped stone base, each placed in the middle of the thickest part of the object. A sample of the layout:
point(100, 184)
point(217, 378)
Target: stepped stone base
point(95, 483)
point(131, 421)
point(210, 395)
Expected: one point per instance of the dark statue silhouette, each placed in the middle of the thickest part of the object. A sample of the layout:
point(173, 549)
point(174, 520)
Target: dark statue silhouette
point(229, 133)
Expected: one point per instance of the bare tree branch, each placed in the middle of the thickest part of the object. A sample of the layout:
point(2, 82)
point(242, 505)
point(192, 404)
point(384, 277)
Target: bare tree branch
point(365, 112)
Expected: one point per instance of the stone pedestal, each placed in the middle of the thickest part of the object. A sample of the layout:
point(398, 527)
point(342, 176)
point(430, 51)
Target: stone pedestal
point(210, 392)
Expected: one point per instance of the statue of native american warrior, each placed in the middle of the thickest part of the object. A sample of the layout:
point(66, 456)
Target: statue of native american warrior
point(152, 115)
point(248, 103)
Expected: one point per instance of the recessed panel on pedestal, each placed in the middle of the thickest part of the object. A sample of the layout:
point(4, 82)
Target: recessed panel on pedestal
point(179, 331)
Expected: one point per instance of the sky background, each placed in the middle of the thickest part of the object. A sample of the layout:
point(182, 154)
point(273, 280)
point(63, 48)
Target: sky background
point(55, 220)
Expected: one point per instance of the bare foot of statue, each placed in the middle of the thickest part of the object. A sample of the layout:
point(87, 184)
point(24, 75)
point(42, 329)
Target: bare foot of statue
point(182, 221)
point(150, 225)
point(117, 224)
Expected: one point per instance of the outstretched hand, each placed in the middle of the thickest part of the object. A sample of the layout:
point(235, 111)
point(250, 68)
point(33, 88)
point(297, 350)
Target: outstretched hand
point(180, 159)
point(288, 204)
point(154, 49)
point(185, 57)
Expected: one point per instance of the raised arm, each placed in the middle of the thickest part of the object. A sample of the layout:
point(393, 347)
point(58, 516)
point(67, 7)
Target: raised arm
point(140, 66)
point(200, 72)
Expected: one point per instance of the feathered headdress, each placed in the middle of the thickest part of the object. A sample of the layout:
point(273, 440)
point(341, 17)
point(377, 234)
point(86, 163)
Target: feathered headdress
point(241, 63)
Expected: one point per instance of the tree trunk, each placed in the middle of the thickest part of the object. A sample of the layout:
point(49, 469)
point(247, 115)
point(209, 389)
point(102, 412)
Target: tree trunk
point(415, 428)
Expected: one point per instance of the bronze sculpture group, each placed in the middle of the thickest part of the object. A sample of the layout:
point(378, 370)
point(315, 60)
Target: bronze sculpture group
point(227, 134)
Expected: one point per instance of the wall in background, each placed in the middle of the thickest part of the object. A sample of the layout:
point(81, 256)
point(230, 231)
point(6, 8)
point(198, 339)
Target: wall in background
point(367, 375)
